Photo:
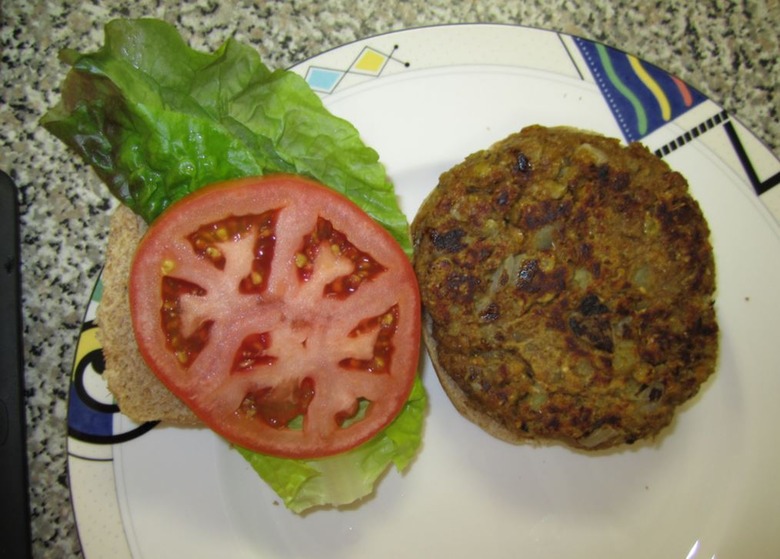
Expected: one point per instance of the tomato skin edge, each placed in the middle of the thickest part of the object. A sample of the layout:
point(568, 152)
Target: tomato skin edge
point(141, 322)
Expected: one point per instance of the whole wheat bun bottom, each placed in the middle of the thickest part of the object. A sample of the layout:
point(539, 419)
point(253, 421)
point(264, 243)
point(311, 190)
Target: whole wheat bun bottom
point(139, 393)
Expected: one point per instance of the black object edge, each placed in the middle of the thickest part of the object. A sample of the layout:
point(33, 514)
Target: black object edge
point(15, 535)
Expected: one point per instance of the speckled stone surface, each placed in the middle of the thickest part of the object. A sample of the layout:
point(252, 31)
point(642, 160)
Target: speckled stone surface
point(727, 49)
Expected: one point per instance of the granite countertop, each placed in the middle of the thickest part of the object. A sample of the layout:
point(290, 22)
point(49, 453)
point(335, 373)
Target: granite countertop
point(728, 50)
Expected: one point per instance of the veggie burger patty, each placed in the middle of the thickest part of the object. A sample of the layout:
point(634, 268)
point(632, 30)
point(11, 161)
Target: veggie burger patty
point(568, 285)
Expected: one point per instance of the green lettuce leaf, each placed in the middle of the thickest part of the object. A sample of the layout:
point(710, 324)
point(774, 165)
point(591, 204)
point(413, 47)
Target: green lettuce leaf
point(350, 476)
point(157, 120)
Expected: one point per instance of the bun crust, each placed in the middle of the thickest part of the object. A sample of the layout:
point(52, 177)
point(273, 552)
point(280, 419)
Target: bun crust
point(138, 392)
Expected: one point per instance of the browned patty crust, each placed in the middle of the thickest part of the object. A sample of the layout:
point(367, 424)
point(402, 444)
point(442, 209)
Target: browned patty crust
point(568, 283)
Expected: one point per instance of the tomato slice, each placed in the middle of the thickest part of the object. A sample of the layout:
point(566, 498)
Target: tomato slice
point(280, 312)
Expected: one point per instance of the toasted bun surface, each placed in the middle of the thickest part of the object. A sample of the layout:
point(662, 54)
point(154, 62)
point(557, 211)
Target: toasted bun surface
point(567, 284)
point(139, 394)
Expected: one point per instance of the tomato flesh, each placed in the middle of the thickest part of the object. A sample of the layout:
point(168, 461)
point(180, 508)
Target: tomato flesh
point(281, 313)
point(366, 267)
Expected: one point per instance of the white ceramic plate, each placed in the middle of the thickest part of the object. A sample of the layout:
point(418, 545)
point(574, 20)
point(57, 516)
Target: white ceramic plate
point(425, 99)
